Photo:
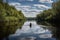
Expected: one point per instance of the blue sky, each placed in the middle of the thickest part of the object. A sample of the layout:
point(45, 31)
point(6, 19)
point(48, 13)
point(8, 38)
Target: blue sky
point(31, 8)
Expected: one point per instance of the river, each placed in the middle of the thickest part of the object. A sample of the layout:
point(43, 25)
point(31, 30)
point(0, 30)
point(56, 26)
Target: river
point(36, 32)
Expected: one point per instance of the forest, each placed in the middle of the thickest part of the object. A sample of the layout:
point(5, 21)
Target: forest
point(10, 19)
point(51, 16)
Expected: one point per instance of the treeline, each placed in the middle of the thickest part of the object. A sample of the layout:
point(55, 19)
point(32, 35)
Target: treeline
point(50, 15)
point(10, 19)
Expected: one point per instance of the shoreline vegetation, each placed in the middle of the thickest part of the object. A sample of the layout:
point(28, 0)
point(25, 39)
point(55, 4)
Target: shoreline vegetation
point(10, 20)
point(51, 16)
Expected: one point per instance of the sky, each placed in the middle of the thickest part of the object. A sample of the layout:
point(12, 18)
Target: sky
point(31, 8)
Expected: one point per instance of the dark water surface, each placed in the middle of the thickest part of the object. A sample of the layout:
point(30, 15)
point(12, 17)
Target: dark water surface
point(36, 32)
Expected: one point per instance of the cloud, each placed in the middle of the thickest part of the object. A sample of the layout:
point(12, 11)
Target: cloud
point(25, 0)
point(30, 14)
point(21, 0)
point(14, 4)
point(23, 7)
point(29, 10)
point(42, 6)
point(29, 0)
point(46, 1)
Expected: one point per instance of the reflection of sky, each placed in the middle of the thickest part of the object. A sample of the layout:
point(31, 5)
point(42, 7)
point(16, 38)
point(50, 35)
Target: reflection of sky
point(31, 7)
point(36, 31)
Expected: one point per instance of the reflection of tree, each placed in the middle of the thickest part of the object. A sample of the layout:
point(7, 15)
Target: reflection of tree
point(52, 16)
point(48, 26)
point(10, 20)
point(57, 34)
point(9, 26)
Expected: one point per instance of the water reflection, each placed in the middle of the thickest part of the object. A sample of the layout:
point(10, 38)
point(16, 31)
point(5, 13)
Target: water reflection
point(9, 28)
point(36, 32)
point(50, 26)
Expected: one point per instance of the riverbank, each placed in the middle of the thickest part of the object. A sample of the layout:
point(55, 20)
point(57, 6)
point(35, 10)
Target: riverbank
point(10, 19)
point(51, 16)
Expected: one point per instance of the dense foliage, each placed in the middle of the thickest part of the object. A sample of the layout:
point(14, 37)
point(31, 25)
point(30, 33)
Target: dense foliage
point(52, 16)
point(10, 19)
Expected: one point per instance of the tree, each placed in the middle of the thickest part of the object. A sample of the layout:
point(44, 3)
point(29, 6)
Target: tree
point(10, 20)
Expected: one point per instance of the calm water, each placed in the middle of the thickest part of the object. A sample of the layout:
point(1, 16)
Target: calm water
point(36, 32)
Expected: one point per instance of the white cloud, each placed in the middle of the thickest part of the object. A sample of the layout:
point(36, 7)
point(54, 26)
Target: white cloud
point(26, 0)
point(29, 0)
point(32, 9)
point(23, 7)
point(22, 0)
point(31, 13)
point(28, 11)
point(46, 1)
point(14, 4)
point(42, 6)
